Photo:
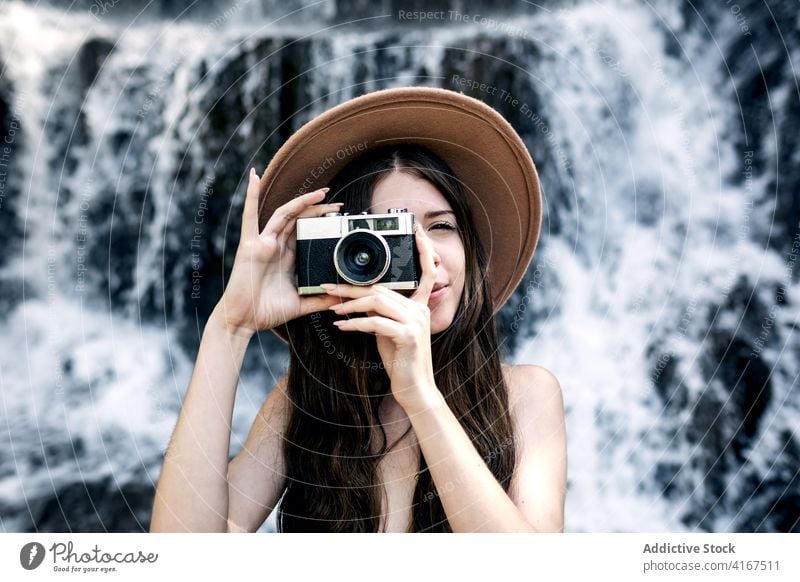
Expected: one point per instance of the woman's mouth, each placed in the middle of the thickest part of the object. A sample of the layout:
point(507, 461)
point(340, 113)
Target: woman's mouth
point(437, 293)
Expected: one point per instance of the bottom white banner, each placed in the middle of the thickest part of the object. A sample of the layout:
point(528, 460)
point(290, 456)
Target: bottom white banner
point(619, 557)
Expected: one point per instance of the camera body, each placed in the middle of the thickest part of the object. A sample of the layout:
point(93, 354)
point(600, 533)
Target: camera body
point(359, 249)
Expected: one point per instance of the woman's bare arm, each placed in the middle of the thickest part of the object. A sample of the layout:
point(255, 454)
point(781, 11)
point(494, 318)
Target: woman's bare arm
point(192, 492)
point(256, 476)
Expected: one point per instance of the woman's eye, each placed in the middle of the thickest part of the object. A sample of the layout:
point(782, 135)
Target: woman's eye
point(445, 225)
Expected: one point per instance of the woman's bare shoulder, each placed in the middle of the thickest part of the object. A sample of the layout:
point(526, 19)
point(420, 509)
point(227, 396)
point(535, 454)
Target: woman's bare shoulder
point(532, 387)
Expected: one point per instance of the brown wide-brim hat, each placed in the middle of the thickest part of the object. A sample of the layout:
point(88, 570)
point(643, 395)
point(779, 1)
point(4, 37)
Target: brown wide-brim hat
point(485, 153)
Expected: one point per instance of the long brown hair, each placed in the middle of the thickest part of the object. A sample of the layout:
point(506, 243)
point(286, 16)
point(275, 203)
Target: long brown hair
point(336, 381)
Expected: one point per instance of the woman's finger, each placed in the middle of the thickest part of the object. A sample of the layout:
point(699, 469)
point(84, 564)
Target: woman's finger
point(283, 215)
point(315, 303)
point(374, 324)
point(428, 278)
point(379, 304)
point(355, 291)
point(250, 212)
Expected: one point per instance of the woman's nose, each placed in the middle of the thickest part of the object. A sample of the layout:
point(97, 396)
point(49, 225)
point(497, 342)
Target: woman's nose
point(436, 258)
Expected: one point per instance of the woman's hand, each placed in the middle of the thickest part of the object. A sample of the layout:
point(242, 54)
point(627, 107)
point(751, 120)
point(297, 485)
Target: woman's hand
point(261, 292)
point(402, 326)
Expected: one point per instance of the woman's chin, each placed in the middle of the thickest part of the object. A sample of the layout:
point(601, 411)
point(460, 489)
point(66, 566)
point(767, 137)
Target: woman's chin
point(439, 323)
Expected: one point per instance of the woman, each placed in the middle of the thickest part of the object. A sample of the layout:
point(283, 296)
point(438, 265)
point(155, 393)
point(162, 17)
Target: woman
point(410, 422)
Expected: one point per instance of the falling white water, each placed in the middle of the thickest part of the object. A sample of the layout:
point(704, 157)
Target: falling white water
point(645, 236)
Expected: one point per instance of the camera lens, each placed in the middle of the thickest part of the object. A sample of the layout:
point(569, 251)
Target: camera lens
point(361, 257)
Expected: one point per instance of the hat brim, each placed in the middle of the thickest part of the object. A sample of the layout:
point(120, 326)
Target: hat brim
point(482, 148)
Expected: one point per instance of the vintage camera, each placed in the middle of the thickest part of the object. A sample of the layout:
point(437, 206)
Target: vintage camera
point(359, 249)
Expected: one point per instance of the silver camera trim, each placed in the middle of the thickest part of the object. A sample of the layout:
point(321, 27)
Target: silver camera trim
point(397, 285)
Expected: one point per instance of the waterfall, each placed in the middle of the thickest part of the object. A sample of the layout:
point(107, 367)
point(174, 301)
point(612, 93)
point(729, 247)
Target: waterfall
point(662, 293)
